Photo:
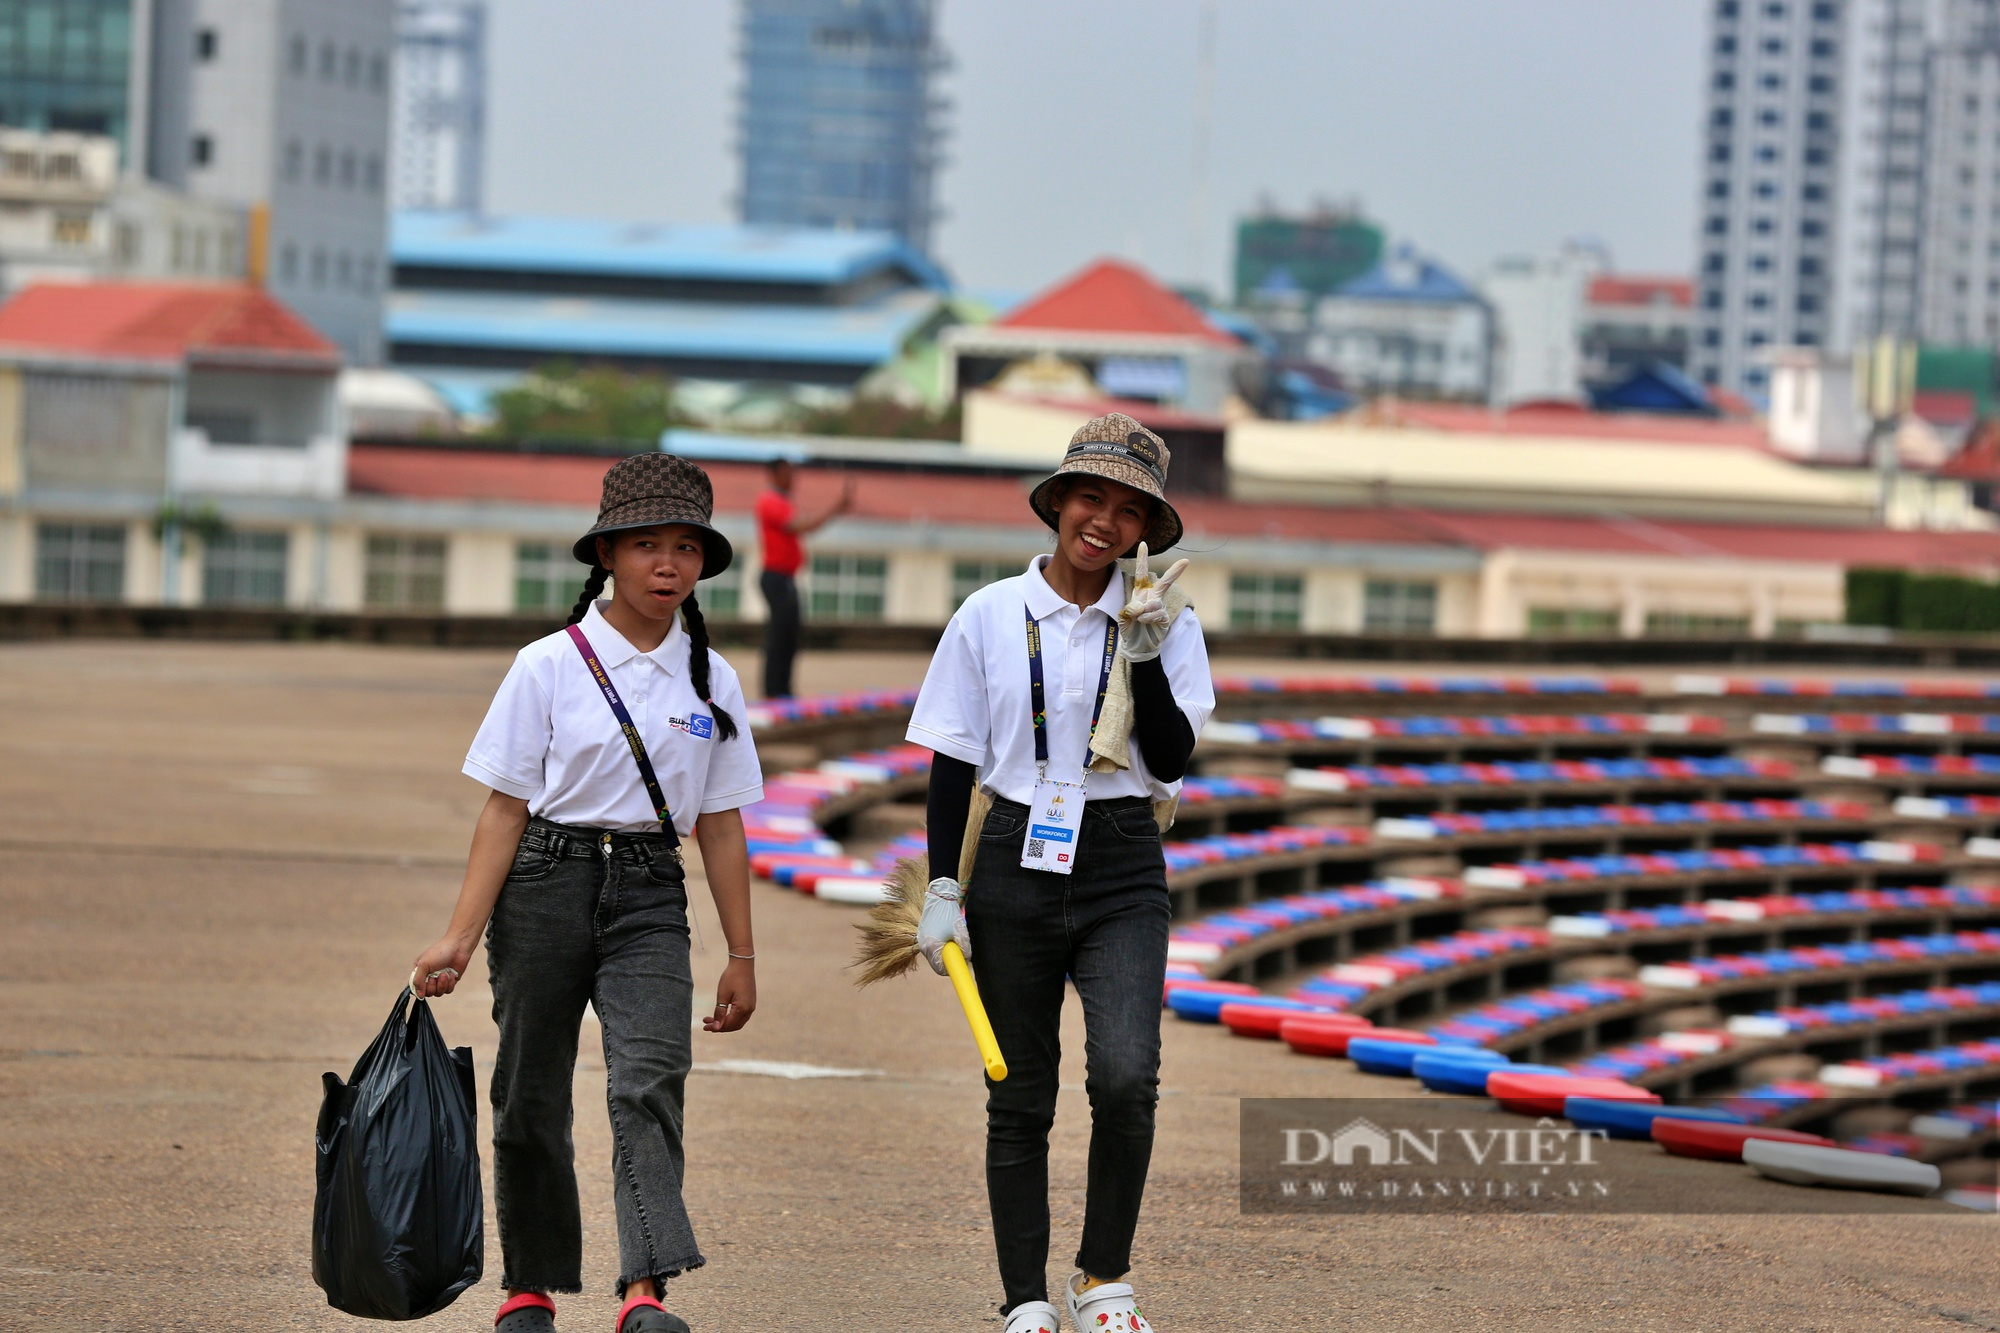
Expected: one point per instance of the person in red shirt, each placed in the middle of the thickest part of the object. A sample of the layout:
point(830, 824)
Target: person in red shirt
point(779, 528)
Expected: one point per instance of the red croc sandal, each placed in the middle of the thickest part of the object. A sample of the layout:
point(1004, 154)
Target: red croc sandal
point(530, 1312)
point(643, 1314)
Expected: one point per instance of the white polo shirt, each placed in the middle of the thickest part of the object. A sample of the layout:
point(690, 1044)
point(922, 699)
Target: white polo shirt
point(551, 739)
point(974, 705)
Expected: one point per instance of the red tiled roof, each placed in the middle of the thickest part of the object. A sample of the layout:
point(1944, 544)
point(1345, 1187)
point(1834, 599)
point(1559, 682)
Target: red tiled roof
point(1979, 460)
point(145, 321)
point(459, 473)
point(1623, 289)
point(1114, 297)
point(1617, 534)
point(1563, 420)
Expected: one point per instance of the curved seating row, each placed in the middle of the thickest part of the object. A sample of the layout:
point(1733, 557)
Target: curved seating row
point(1769, 687)
point(1806, 1018)
point(772, 714)
point(1422, 686)
point(1792, 1101)
point(1932, 766)
point(786, 842)
point(1498, 776)
point(1659, 816)
point(1514, 1020)
point(1594, 728)
point(1224, 941)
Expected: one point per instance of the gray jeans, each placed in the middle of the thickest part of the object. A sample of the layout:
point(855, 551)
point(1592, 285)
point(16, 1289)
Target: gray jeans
point(583, 919)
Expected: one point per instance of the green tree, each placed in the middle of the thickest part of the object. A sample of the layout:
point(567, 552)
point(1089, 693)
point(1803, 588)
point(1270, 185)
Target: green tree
point(563, 401)
point(879, 418)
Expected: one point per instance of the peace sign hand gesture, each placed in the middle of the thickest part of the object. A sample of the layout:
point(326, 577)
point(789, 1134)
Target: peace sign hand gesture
point(1142, 624)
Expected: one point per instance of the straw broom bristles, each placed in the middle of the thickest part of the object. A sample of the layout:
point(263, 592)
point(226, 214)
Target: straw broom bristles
point(889, 934)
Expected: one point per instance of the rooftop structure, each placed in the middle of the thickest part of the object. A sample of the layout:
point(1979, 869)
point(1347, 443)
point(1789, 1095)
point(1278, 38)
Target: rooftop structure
point(480, 299)
point(1129, 334)
point(1408, 326)
point(1278, 256)
point(840, 126)
point(1631, 321)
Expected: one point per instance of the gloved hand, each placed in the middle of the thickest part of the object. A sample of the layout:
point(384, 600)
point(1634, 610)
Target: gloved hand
point(943, 922)
point(1142, 625)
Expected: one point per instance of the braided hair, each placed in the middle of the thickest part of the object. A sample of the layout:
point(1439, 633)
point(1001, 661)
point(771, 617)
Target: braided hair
point(592, 586)
point(697, 628)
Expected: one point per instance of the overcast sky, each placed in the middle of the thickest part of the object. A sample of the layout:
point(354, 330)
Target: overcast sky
point(1473, 128)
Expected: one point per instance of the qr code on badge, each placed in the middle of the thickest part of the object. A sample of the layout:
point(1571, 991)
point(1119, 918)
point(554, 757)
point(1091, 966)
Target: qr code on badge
point(1036, 850)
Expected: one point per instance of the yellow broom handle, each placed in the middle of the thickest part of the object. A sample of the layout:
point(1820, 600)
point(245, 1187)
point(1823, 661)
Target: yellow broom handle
point(975, 1012)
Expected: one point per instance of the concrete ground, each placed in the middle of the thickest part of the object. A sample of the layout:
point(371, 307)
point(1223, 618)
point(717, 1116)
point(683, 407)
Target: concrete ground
point(218, 861)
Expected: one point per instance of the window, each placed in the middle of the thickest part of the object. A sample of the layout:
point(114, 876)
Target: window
point(546, 578)
point(347, 168)
point(969, 576)
point(1725, 46)
point(1767, 189)
point(1265, 601)
point(1819, 83)
point(205, 44)
point(295, 159)
point(297, 57)
point(1725, 80)
point(353, 67)
point(404, 573)
point(224, 427)
point(319, 268)
point(371, 174)
point(79, 562)
point(322, 163)
point(1392, 606)
point(288, 263)
point(847, 587)
point(72, 229)
point(1683, 625)
point(203, 150)
point(327, 60)
point(1718, 226)
point(244, 569)
point(1760, 263)
point(378, 73)
point(722, 596)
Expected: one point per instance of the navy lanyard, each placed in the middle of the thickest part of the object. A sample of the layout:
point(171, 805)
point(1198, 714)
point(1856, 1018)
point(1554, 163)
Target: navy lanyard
point(1037, 702)
point(632, 737)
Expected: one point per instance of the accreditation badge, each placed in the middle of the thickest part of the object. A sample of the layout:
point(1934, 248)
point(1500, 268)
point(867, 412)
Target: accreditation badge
point(1055, 823)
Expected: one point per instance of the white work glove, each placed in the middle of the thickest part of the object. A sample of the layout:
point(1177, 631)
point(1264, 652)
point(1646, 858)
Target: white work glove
point(1142, 625)
point(942, 923)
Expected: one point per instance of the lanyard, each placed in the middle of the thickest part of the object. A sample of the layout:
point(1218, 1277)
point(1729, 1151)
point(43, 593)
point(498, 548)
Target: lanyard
point(632, 737)
point(1036, 700)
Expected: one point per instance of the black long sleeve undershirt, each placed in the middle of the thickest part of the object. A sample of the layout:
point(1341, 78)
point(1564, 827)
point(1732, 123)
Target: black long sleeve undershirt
point(1159, 728)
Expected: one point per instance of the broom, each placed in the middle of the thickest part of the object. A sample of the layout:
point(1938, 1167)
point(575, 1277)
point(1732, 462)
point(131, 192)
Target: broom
point(889, 936)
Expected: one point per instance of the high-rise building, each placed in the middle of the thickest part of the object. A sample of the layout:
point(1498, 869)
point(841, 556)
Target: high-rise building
point(1768, 189)
point(277, 108)
point(1314, 254)
point(289, 114)
point(1960, 282)
point(1852, 183)
point(840, 124)
point(440, 115)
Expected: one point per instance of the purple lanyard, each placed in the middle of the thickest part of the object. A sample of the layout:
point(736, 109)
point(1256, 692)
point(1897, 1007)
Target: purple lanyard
point(632, 737)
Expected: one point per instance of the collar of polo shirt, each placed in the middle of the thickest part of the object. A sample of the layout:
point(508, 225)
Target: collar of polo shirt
point(614, 649)
point(1043, 600)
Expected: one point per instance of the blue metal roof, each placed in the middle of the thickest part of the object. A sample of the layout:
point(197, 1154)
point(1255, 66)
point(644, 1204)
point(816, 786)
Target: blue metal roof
point(863, 335)
point(1406, 275)
point(711, 252)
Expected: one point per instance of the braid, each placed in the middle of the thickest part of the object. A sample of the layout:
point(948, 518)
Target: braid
point(697, 628)
point(591, 587)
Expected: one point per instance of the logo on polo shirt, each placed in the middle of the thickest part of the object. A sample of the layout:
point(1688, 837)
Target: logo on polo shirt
point(700, 726)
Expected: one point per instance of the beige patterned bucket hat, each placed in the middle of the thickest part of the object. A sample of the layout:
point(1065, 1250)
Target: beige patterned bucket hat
point(646, 490)
point(1117, 448)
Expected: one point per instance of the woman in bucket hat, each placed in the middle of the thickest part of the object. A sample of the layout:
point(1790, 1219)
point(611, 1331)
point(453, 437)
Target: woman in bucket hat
point(1062, 706)
point(606, 744)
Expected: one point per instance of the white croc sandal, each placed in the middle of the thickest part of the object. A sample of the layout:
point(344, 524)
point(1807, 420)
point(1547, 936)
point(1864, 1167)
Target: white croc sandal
point(1034, 1317)
point(1106, 1308)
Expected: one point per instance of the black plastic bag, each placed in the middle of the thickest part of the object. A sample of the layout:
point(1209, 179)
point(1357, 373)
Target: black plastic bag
point(398, 1220)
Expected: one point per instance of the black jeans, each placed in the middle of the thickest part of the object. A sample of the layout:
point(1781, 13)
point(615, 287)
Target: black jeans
point(1104, 926)
point(586, 920)
point(781, 632)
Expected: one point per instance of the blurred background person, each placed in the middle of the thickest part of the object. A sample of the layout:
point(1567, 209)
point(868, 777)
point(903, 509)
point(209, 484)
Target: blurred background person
point(779, 529)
